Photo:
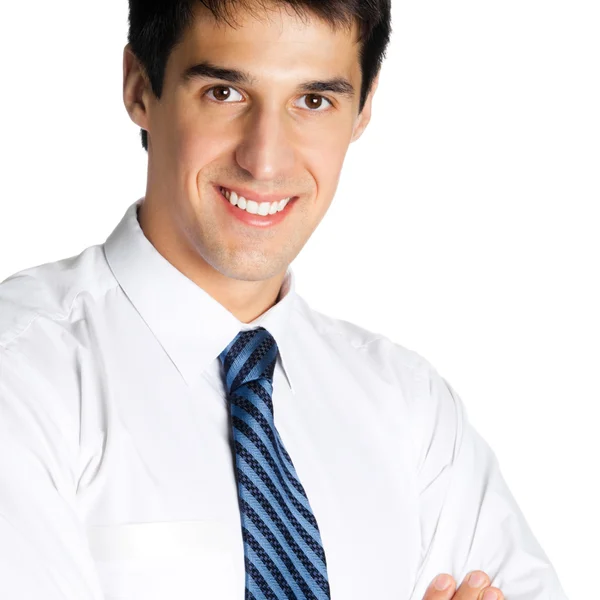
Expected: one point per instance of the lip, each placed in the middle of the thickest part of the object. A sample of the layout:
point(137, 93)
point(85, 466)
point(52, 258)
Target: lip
point(256, 220)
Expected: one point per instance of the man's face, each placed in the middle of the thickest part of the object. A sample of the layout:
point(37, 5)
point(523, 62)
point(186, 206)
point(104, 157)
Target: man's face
point(265, 136)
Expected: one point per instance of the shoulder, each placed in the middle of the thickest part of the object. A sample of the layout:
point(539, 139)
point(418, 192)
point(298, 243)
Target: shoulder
point(378, 351)
point(431, 406)
point(43, 313)
point(47, 297)
point(45, 333)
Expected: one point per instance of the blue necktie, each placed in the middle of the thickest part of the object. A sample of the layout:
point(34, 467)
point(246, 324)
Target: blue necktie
point(283, 553)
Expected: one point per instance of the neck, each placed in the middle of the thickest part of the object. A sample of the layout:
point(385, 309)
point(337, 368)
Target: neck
point(246, 300)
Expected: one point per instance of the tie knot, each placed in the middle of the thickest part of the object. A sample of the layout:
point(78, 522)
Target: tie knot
point(249, 356)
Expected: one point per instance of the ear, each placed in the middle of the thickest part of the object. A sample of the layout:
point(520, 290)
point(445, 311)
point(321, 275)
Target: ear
point(365, 116)
point(136, 88)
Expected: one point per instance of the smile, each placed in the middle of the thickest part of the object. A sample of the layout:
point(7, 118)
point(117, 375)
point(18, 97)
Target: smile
point(253, 207)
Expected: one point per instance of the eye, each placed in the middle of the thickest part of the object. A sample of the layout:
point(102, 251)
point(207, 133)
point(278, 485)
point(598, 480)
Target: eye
point(223, 93)
point(315, 102)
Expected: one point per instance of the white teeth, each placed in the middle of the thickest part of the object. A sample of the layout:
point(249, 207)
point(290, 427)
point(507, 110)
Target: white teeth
point(264, 208)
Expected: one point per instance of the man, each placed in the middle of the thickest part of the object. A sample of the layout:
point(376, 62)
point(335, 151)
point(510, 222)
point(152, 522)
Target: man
point(177, 422)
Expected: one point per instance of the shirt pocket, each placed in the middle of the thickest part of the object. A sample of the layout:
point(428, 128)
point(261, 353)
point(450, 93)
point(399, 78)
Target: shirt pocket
point(166, 560)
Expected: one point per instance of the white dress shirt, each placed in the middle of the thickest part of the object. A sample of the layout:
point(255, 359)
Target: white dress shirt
point(117, 477)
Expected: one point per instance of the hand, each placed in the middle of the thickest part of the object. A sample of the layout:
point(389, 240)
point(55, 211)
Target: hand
point(479, 590)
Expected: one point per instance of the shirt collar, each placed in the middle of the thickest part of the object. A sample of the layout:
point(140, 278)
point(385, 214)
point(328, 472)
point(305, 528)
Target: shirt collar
point(191, 326)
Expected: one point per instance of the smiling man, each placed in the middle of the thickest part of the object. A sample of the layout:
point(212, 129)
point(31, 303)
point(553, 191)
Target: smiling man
point(251, 120)
point(176, 421)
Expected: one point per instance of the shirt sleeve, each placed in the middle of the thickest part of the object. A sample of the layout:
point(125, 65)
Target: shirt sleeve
point(43, 546)
point(468, 517)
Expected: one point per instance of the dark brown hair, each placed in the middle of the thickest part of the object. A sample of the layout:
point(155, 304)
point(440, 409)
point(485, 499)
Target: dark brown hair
point(157, 26)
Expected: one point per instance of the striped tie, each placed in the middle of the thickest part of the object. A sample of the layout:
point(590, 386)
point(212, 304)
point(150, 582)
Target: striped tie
point(283, 553)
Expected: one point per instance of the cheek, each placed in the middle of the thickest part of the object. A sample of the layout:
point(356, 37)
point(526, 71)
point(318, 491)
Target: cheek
point(195, 150)
point(196, 141)
point(326, 161)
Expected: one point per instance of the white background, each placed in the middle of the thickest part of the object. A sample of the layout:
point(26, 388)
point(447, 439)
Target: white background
point(465, 226)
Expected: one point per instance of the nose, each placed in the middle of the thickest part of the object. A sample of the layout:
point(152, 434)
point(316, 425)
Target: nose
point(266, 150)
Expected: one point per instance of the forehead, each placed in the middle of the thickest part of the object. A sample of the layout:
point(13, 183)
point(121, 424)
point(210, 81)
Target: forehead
point(276, 40)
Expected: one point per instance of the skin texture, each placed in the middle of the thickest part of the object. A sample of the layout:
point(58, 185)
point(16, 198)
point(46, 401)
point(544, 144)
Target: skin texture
point(267, 137)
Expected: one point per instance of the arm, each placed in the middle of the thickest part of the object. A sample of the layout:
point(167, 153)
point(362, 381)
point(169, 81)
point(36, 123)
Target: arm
point(43, 546)
point(469, 518)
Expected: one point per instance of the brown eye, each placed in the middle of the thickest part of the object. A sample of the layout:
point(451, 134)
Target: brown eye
point(223, 93)
point(314, 102)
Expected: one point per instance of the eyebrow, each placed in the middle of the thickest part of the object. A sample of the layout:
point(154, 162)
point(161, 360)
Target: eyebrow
point(207, 70)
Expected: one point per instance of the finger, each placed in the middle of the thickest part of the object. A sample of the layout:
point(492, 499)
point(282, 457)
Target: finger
point(472, 586)
point(492, 593)
point(441, 588)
